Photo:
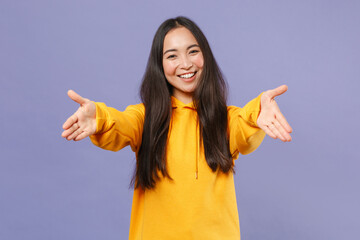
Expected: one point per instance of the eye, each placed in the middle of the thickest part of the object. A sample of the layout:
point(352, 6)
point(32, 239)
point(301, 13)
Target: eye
point(194, 51)
point(171, 56)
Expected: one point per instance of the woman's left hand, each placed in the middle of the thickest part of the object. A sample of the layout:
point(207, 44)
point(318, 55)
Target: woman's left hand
point(271, 119)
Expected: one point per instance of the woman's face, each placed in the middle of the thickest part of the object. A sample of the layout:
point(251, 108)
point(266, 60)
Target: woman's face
point(182, 62)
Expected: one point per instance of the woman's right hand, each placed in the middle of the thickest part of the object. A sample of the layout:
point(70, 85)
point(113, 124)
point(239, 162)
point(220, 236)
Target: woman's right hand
point(83, 122)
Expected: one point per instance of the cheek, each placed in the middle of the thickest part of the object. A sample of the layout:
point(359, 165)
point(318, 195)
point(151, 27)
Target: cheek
point(169, 68)
point(199, 61)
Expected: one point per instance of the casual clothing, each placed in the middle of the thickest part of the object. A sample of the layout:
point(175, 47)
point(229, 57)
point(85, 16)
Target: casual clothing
point(197, 203)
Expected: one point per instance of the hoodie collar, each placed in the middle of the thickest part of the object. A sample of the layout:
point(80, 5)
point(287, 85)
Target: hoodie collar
point(176, 103)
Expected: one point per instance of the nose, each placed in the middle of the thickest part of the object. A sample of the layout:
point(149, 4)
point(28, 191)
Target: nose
point(186, 62)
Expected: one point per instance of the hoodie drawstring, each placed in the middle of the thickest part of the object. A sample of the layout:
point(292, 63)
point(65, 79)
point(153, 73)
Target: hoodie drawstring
point(197, 150)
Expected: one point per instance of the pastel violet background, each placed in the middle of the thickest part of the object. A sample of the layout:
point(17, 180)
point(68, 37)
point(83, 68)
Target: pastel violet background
point(54, 189)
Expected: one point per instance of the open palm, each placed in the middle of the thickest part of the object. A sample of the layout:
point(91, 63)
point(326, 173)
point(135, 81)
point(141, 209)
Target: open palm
point(83, 122)
point(271, 119)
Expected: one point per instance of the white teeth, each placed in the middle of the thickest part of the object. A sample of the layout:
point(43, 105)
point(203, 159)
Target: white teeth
point(189, 75)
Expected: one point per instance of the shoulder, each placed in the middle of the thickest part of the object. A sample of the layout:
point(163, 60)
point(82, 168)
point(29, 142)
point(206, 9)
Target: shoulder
point(233, 111)
point(232, 108)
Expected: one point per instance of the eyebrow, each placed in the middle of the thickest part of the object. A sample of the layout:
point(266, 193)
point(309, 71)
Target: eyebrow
point(174, 50)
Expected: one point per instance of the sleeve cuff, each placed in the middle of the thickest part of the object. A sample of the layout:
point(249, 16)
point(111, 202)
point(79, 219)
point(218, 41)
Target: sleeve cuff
point(101, 118)
point(252, 110)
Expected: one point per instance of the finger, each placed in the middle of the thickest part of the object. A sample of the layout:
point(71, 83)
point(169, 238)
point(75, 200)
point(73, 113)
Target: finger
point(76, 97)
point(70, 121)
point(276, 132)
point(74, 134)
point(70, 130)
point(283, 122)
point(81, 136)
point(268, 131)
point(278, 91)
point(285, 135)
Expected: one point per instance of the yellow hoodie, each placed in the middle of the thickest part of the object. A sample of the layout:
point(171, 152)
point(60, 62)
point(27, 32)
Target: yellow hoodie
point(197, 203)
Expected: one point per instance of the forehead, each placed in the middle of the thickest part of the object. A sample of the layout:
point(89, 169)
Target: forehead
point(179, 38)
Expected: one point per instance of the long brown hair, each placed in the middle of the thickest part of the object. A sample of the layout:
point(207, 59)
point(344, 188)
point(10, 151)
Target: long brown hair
point(209, 100)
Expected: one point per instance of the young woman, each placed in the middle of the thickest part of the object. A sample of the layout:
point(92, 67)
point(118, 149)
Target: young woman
point(185, 138)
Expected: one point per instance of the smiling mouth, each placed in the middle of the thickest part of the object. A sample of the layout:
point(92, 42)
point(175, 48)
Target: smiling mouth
point(187, 75)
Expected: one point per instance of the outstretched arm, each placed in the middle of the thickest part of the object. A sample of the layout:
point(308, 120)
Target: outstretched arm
point(83, 122)
point(270, 118)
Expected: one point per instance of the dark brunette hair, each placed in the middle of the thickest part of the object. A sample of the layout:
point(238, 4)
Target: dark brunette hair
point(209, 100)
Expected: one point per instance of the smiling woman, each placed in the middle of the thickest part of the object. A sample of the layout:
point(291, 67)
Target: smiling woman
point(180, 48)
point(185, 137)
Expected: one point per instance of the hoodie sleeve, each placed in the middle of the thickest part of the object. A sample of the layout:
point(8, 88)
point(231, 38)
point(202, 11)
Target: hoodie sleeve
point(244, 134)
point(116, 129)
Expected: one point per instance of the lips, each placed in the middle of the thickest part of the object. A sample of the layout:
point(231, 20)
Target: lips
point(187, 76)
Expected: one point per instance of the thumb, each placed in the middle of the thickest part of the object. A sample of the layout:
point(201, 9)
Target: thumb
point(76, 97)
point(277, 91)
